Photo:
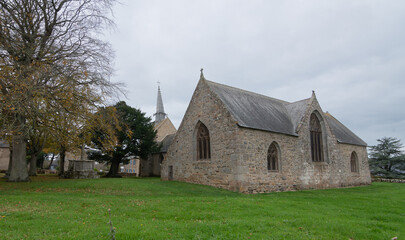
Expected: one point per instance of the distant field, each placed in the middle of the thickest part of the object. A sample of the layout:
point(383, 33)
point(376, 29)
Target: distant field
point(146, 208)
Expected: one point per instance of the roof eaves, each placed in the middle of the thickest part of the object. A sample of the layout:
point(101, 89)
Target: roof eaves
point(267, 130)
point(356, 144)
point(362, 143)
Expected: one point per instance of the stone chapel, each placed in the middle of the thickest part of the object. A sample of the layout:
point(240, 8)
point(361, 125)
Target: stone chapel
point(247, 142)
point(165, 132)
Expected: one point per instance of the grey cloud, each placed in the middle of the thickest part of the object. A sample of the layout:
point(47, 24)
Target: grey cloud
point(351, 53)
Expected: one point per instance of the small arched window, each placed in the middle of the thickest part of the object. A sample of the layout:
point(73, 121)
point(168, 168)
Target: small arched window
point(203, 143)
point(354, 165)
point(272, 158)
point(316, 139)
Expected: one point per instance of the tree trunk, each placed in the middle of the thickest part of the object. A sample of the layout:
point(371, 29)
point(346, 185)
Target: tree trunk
point(33, 164)
point(62, 155)
point(19, 170)
point(115, 164)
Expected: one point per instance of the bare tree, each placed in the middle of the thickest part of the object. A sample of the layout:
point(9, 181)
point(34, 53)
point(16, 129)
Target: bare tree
point(52, 62)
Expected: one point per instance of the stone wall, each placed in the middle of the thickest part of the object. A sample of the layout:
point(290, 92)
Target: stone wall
point(389, 180)
point(76, 154)
point(156, 161)
point(163, 129)
point(296, 168)
point(4, 158)
point(205, 107)
point(151, 167)
point(349, 178)
point(252, 162)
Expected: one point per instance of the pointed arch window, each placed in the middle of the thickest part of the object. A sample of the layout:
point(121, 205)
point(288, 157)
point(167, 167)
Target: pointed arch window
point(203, 143)
point(354, 165)
point(316, 139)
point(272, 158)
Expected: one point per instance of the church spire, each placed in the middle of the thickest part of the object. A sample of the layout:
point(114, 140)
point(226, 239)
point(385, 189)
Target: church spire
point(160, 114)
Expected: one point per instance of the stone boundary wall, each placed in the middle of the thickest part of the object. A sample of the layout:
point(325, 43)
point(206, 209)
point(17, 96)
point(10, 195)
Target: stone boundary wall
point(388, 180)
point(125, 174)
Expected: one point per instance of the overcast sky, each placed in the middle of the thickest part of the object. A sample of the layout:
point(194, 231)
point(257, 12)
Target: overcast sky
point(352, 53)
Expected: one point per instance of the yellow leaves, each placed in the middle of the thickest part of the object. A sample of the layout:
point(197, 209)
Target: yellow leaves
point(129, 133)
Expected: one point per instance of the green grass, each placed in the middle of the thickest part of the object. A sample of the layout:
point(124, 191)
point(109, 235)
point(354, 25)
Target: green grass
point(52, 208)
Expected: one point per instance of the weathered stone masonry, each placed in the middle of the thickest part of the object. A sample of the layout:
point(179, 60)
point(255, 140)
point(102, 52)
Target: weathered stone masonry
point(219, 170)
point(239, 154)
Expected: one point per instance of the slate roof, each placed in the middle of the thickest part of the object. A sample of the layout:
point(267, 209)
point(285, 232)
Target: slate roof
point(297, 110)
point(255, 111)
point(166, 142)
point(342, 133)
point(252, 110)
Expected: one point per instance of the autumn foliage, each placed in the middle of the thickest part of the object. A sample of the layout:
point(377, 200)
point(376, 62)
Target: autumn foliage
point(54, 71)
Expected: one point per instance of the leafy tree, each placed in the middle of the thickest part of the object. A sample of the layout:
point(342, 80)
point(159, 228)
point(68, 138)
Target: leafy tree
point(52, 64)
point(134, 136)
point(387, 157)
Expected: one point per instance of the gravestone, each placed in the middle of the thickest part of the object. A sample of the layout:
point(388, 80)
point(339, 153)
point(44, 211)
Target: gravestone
point(81, 169)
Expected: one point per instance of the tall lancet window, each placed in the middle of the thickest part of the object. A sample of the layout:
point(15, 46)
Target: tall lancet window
point(203, 143)
point(354, 163)
point(272, 157)
point(316, 139)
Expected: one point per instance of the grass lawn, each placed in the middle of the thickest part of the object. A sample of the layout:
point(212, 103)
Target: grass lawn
point(147, 208)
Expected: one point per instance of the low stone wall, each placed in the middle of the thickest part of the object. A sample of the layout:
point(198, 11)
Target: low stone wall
point(47, 171)
point(388, 180)
point(125, 174)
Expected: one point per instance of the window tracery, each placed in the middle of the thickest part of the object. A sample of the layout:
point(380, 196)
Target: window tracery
point(316, 139)
point(354, 162)
point(203, 143)
point(272, 158)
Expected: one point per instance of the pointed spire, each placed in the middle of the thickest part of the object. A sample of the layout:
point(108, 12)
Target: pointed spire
point(202, 74)
point(160, 114)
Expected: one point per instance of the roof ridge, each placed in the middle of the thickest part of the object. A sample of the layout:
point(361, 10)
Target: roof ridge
point(306, 99)
point(330, 115)
point(248, 92)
